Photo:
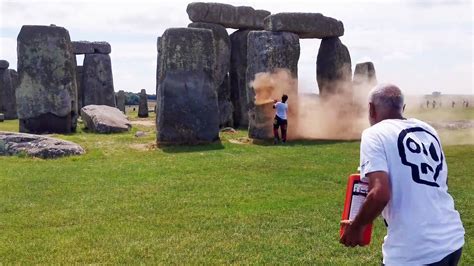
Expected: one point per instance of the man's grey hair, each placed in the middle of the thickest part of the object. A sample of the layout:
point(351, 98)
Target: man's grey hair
point(387, 96)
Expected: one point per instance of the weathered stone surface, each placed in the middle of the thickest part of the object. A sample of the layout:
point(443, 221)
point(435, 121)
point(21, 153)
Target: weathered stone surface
point(159, 61)
point(4, 64)
point(333, 67)
point(364, 73)
point(47, 90)
point(187, 109)
point(189, 112)
point(238, 69)
point(225, 104)
point(7, 94)
point(143, 104)
point(222, 47)
point(306, 25)
point(104, 119)
point(15, 83)
point(121, 101)
point(186, 49)
point(267, 52)
point(237, 17)
point(82, 47)
point(15, 78)
point(101, 47)
point(36, 146)
point(97, 81)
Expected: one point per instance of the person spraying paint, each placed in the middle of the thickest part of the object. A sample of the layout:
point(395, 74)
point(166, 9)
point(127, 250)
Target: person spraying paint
point(280, 120)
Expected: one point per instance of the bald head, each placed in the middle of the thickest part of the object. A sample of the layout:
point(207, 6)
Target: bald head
point(386, 102)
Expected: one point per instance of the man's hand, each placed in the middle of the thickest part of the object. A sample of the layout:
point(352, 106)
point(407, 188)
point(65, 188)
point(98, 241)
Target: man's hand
point(352, 235)
point(275, 101)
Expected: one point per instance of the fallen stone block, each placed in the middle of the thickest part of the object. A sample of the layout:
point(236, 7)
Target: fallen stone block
point(104, 119)
point(12, 143)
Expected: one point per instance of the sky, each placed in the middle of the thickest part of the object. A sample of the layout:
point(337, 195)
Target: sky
point(422, 46)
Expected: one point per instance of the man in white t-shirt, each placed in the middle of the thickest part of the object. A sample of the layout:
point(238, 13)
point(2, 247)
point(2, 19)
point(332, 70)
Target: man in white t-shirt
point(405, 166)
point(281, 119)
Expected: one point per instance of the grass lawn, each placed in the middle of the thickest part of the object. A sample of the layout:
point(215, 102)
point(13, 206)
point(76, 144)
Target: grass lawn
point(127, 202)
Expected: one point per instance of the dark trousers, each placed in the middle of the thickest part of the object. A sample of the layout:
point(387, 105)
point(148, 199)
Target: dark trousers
point(280, 123)
point(450, 260)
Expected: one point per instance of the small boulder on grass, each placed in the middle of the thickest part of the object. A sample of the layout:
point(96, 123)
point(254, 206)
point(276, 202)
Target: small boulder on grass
point(104, 119)
point(12, 143)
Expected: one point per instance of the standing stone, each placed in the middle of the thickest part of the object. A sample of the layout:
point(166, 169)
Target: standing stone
point(7, 93)
point(15, 79)
point(143, 104)
point(187, 110)
point(47, 94)
point(2, 117)
point(80, 92)
point(121, 101)
point(97, 82)
point(222, 47)
point(158, 74)
point(364, 80)
point(240, 17)
point(225, 104)
point(267, 52)
point(306, 25)
point(364, 74)
point(238, 69)
point(333, 68)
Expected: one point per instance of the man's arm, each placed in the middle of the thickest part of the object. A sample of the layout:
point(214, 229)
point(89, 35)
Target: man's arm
point(377, 199)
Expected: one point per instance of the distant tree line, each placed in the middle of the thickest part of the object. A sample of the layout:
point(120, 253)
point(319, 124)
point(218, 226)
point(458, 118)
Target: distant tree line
point(132, 98)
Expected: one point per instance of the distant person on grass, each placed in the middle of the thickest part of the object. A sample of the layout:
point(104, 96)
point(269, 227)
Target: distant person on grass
point(404, 164)
point(281, 119)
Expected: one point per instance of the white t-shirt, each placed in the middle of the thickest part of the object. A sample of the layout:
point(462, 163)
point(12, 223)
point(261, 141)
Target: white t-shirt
point(423, 226)
point(281, 109)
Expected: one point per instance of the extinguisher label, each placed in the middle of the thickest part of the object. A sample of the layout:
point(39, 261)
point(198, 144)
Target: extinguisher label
point(359, 193)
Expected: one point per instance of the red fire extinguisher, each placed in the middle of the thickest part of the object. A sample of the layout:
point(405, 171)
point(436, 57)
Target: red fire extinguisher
point(356, 193)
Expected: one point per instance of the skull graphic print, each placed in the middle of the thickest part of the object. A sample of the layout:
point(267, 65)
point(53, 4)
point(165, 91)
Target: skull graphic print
point(421, 150)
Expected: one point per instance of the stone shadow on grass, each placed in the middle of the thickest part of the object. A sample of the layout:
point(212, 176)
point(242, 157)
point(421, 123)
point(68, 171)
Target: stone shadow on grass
point(168, 148)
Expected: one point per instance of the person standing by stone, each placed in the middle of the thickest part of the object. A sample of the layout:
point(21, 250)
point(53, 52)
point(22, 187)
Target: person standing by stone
point(281, 119)
point(143, 105)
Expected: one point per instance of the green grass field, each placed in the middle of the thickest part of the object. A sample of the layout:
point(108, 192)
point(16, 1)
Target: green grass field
point(127, 202)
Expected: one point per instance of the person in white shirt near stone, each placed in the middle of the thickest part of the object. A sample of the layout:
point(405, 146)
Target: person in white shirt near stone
point(404, 163)
point(281, 119)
